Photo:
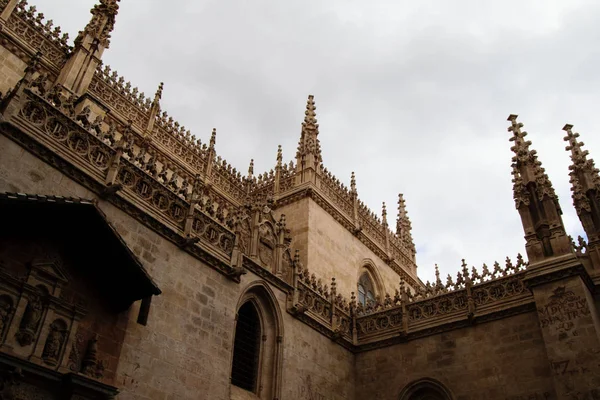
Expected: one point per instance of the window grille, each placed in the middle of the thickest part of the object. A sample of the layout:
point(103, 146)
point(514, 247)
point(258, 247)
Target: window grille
point(246, 348)
point(365, 290)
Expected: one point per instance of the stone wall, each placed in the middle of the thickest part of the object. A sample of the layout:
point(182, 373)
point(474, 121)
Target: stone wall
point(186, 348)
point(11, 70)
point(330, 250)
point(502, 359)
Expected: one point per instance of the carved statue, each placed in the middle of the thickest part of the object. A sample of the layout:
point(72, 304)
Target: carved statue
point(84, 116)
point(31, 320)
point(40, 83)
point(55, 96)
point(5, 312)
point(96, 126)
point(54, 342)
point(90, 361)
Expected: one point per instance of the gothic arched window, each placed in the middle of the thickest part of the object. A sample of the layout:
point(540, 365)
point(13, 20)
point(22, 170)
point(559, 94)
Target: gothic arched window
point(246, 348)
point(426, 389)
point(366, 291)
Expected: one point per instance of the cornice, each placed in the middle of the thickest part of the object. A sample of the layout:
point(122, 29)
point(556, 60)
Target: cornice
point(555, 269)
point(461, 323)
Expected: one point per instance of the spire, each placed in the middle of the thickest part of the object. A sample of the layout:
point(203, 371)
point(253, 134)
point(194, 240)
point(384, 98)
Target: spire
point(154, 110)
point(251, 169)
point(526, 166)
point(210, 154)
point(403, 225)
point(353, 184)
point(354, 196)
point(438, 280)
point(585, 185)
point(278, 167)
point(158, 94)
point(536, 200)
point(279, 157)
point(77, 73)
point(308, 156)
point(102, 23)
point(213, 139)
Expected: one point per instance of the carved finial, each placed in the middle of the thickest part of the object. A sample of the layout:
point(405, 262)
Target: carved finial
point(526, 167)
point(310, 115)
point(279, 156)
point(465, 269)
point(102, 23)
point(521, 145)
point(438, 281)
point(333, 287)
point(158, 94)
point(585, 181)
point(251, 169)
point(403, 224)
point(309, 142)
point(353, 183)
point(384, 214)
point(213, 139)
point(578, 156)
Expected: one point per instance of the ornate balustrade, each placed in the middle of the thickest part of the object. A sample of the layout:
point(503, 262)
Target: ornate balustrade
point(113, 159)
point(29, 27)
point(406, 315)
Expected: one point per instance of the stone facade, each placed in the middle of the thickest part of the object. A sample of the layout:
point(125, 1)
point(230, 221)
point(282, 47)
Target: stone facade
point(129, 252)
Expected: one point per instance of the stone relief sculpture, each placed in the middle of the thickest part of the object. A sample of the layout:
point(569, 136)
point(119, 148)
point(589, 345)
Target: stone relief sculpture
point(266, 245)
point(90, 365)
point(31, 320)
point(6, 309)
point(55, 342)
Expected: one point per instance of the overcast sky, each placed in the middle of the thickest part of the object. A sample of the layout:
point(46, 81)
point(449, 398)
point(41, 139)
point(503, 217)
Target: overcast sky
point(411, 95)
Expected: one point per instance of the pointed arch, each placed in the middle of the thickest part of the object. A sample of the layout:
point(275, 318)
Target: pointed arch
point(426, 389)
point(369, 275)
point(269, 353)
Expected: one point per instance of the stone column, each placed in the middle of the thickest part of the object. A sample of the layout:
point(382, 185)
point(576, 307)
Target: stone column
point(570, 325)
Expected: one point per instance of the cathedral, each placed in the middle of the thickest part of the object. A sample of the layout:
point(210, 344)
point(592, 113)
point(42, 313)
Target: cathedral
point(137, 264)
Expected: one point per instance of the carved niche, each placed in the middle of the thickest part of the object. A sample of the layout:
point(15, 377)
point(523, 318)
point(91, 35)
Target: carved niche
point(245, 236)
point(91, 365)
point(286, 265)
point(267, 243)
point(7, 308)
point(30, 322)
point(55, 342)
